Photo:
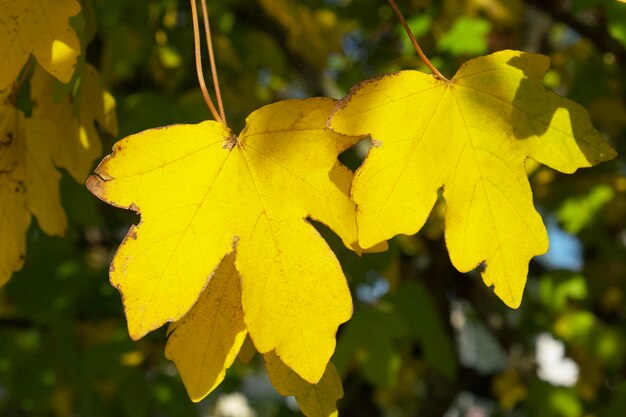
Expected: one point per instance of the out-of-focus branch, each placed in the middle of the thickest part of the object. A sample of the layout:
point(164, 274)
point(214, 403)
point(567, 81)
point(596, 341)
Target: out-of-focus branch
point(358, 399)
point(442, 281)
point(254, 16)
point(18, 324)
point(598, 34)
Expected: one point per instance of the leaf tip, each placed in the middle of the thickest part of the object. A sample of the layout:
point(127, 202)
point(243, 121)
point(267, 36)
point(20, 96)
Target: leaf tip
point(513, 302)
point(512, 299)
point(138, 329)
point(135, 334)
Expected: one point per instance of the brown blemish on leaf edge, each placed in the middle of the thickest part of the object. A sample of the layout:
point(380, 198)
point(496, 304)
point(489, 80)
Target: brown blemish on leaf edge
point(343, 103)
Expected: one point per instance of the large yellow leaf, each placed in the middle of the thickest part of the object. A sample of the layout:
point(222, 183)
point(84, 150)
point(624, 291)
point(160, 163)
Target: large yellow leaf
point(206, 341)
point(41, 28)
point(471, 136)
point(202, 191)
point(315, 400)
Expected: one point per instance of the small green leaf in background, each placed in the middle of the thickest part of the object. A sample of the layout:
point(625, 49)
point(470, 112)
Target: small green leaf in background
point(576, 213)
point(467, 37)
point(413, 302)
point(368, 342)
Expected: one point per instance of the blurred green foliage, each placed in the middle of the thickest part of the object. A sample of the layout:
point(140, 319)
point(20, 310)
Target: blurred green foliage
point(425, 340)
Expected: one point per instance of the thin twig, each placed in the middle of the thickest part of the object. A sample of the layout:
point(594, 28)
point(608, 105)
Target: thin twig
point(209, 40)
point(196, 38)
point(596, 33)
point(414, 42)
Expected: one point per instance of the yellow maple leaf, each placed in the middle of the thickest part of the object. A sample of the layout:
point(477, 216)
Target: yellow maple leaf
point(315, 400)
point(13, 213)
point(205, 342)
point(471, 136)
point(29, 184)
point(41, 28)
point(73, 131)
point(203, 192)
point(31, 150)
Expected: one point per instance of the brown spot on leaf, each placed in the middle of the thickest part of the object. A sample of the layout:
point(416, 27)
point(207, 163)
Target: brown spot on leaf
point(9, 139)
point(230, 142)
point(376, 143)
point(20, 188)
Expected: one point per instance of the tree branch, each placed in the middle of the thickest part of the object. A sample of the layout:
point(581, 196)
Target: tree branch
point(254, 16)
point(18, 324)
point(598, 34)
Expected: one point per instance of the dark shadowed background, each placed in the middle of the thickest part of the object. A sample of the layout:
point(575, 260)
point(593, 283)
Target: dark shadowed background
point(425, 340)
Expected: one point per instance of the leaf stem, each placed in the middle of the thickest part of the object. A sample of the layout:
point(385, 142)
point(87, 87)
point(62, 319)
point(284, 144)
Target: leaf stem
point(196, 39)
point(415, 43)
point(209, 40)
